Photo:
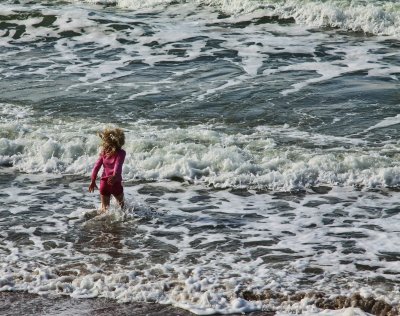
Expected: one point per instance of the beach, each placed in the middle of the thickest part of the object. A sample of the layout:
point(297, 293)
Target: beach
point(262, 166)
point(30, 304)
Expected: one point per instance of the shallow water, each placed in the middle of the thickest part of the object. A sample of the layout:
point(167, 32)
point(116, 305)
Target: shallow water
point(30, 304)
point(262, 151)
point(198, 248)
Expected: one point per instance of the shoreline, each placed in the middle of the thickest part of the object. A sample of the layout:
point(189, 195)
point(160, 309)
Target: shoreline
point(23, 303)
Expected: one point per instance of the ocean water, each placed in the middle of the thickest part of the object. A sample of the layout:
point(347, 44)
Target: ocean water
point(262, 151)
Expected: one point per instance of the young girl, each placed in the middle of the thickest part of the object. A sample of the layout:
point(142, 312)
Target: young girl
point(111, 158)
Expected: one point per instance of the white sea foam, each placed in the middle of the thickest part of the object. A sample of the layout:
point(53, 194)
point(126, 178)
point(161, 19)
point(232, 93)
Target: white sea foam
point(388, 121)
point(375, 17)
point(190, 33)
point(185, 244)
point(200, 153)
point(212, 249)
point(342, 312)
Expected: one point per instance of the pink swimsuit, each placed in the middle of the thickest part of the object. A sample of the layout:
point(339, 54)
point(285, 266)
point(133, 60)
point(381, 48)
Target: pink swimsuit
point(111, 166)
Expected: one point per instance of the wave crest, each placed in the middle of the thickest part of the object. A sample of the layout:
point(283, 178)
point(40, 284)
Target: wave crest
point(202, 153)
point(373, 17)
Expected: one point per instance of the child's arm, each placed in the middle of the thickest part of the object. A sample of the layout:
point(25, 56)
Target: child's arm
point(95, 171)
point(117, 175)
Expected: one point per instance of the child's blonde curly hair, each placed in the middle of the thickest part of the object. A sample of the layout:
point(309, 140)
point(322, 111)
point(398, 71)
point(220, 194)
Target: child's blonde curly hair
point(112, 139)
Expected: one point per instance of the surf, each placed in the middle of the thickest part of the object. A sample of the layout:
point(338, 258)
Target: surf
point(370, 17)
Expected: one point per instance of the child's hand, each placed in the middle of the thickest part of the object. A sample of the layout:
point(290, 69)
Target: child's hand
point(92, 186)
point(111, 180)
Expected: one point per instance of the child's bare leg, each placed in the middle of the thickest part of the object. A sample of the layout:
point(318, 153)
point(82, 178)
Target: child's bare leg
point(105, 203)
point(120, 200)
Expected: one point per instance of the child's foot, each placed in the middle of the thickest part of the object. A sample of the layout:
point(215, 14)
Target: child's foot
point(103, 211)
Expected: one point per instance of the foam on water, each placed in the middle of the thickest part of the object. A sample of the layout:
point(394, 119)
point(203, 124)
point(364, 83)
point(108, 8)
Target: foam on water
point(342, 312)
point(200, 153)
point(375, 17)
point(136, 38)
point(388, 121)
point(200, 249)
point(245, 102)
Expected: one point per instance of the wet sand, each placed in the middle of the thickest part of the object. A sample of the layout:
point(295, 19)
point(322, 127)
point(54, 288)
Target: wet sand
point(20, 303)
